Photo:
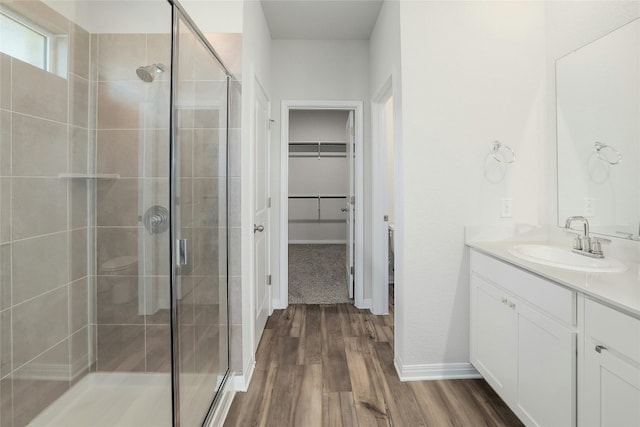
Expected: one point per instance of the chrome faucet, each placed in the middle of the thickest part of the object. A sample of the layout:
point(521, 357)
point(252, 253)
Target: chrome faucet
point(585, 245)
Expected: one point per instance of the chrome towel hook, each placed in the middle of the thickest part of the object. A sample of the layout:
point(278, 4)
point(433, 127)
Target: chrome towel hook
point(503, 153)
point(601, 153)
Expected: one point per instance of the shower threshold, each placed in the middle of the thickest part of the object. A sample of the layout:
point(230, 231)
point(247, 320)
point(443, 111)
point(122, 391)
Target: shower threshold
point(107, 399)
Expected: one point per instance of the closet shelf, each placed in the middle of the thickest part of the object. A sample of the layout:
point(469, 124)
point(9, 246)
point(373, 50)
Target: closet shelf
point(319, 217)
point(317, 149)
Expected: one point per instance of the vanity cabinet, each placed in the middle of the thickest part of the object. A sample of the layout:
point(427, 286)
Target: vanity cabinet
point(610, 390)
point(523, 340)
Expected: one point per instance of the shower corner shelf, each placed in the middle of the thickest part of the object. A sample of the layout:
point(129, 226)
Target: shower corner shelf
point(88, 176)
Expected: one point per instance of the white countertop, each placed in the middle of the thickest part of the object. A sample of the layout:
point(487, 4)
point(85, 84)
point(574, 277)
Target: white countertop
point(618, 290)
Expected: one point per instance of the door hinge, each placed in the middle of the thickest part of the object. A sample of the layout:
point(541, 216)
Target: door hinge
point(268, 202)
point(270, 123)
point(269, 280)
point(352, 270)
point(353, 200)
point(386, 218)
point(353, 132)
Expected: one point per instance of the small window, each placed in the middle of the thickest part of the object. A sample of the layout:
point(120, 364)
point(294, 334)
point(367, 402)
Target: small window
point(23, 41)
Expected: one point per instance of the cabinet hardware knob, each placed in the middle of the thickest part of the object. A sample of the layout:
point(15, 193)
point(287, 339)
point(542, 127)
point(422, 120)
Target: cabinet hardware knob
point(599, 348)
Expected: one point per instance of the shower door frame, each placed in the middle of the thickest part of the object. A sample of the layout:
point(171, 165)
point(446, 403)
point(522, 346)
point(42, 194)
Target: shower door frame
point(179, 14)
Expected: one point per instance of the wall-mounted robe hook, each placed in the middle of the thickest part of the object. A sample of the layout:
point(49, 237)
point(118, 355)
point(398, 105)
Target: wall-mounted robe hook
point(502, 153)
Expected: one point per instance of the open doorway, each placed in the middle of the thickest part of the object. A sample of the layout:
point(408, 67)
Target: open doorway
point(319, 198)
point(321, 219)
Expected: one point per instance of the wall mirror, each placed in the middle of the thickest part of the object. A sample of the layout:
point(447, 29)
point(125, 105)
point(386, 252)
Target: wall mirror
point(598, 133)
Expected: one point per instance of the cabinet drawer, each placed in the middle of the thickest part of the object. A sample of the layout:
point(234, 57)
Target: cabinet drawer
point(613, 329)
point(553, 299)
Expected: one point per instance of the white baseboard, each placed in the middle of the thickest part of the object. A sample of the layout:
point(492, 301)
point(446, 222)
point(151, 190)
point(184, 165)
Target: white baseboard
point(277, 305)
point(317, 242)
point(435, 371)
point(366, 304)
point(242, 380)
point(226, 398)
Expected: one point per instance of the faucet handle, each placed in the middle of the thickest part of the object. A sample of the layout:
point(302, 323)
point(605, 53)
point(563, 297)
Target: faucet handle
point(600, 240)
point(577, 243)
point(596, 246)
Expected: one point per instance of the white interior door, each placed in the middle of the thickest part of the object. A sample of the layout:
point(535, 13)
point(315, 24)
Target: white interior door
point(261, 232)
point(350, 203)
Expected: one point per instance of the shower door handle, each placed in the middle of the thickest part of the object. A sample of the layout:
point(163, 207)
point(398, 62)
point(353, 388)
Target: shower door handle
point(181, 252)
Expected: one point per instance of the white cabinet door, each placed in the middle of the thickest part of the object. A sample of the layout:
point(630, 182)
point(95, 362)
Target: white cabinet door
point(546, 370)
point(527, 357)
point(494, 337)
point(612, 389)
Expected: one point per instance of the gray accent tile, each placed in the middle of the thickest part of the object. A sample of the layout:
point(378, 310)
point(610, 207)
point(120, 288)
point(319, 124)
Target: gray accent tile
point(39, 147)
point(6, 361)
point(39, 206)
point(78, 253)
point(44, 102)
point(5, 276)
point(117, 300)
point(50, 254)
point(118, 152)
point(39, 324)
point(119, 55)
point(79, 304)
point(79, 354)
point(120, 104)
point(158, 348)
point(39, 383)
point(121, 348)
point(117, 202)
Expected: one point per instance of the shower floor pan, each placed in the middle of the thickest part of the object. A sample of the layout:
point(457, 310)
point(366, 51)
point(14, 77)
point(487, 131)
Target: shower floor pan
point(112, 399)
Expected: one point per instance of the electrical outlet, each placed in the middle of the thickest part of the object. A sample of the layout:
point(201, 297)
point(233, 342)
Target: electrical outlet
point(506, 206)
point(588, 207)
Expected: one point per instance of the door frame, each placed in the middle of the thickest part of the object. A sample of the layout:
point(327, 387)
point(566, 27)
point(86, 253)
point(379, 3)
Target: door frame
point(282, 300)
point(380, 236)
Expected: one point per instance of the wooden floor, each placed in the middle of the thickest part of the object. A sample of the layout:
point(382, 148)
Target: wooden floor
point(332, 365)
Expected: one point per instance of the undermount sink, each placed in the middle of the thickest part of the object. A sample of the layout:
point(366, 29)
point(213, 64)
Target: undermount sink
point(555, 256)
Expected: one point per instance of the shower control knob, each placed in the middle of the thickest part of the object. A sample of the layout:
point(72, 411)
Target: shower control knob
point(259, 228)
point(156, 219)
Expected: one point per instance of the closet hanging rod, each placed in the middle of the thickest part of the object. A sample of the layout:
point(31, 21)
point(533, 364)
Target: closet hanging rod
point(317, 197)
point(317, 142)
point(317, 221)
point(323, 155)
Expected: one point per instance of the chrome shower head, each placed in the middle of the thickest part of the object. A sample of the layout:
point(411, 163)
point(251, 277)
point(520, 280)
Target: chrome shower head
point(147, 72)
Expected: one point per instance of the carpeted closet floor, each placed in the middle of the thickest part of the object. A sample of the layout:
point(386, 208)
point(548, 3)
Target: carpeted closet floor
point(318, 274)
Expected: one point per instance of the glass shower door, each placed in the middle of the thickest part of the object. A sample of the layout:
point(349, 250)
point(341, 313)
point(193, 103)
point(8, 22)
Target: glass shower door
point(200, 225)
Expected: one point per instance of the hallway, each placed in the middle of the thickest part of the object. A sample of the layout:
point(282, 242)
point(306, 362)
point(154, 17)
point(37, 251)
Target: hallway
point(332, 365)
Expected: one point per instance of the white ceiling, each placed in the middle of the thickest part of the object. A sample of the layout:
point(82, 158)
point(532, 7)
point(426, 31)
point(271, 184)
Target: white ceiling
point(321, 19)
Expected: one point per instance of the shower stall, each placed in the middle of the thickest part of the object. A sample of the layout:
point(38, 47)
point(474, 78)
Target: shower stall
point(114, 134)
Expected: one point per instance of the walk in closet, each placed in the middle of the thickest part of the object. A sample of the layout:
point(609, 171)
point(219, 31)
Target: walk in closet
point(318, 177)
point(318, 206)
